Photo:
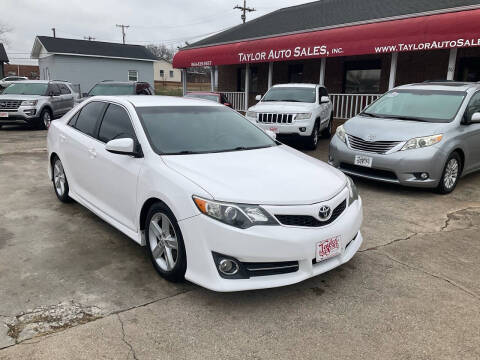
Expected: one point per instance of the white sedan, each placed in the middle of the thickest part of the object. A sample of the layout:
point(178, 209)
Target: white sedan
point(214, 199)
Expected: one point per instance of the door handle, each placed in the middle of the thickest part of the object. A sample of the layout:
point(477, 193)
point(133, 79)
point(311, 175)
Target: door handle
point(92, 153)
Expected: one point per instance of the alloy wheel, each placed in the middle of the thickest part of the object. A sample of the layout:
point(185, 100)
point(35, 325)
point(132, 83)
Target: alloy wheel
point(315, 135)
point(47, 119)
point(163, 241)
point(451, 173)
point(59, 179)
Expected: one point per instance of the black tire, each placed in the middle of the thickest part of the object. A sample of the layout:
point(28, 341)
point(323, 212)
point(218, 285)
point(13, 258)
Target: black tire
point(57, 170)
point(177, 272)
point(449, 180)
point(311, 142)
point(327, 132)
point(43, 122)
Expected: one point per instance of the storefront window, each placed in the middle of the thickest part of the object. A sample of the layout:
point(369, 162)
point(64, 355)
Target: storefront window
point(362, 77)
point(253, 80)
point(295, 73)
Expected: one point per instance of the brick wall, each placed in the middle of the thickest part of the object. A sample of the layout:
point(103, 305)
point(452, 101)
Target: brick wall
point(30, 71)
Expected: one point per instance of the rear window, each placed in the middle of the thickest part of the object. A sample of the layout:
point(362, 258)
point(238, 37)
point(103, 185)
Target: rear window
point(112, 89)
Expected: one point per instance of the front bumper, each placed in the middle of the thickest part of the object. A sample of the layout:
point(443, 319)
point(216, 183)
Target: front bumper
point(203, 236)
point(295, 128)
point(400, 167)
point(22, 115)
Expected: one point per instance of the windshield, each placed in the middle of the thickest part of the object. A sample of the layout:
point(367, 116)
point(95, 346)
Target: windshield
point(112, 89)
point(420, 105)
point(204, 96)
point(175, 130)
point(291, 94)
point(26, 89)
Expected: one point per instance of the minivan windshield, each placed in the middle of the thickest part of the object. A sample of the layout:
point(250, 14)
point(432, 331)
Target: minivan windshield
point(417, 105)
point(291, 94)
point(174, 130)
point(26, 89)
point(112, 89)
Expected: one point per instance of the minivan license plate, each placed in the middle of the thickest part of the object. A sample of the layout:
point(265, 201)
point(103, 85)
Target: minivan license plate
point(328, 248)
point(361, 160)
point(3, 114)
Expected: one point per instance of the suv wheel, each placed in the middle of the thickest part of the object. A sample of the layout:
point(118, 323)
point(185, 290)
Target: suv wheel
point(312, 140)
point(327, 132)
point(45, 119)
point(165, 243)
point(451, 174)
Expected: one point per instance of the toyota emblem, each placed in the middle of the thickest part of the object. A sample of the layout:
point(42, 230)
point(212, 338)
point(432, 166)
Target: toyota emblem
point(371, 138)
point(325, 212)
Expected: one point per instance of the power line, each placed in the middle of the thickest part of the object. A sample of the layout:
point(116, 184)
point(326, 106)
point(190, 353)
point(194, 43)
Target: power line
point(244, 9)
point(123, 30)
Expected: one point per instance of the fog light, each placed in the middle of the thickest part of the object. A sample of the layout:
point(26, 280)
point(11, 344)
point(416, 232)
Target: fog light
point(228, 267)
point(303, 129)
point(424, 176)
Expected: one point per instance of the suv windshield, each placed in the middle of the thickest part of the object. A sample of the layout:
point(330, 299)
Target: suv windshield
point(26, 89)
point(291, 94)
point(112, 89)
point(174, 130)
point(420, 105)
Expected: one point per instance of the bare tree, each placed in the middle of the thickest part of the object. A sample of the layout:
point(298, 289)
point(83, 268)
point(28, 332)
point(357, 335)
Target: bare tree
point(3, 32)
point(162, 51)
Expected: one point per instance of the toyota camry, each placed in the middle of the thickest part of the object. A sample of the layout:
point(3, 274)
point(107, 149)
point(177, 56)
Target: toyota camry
point(212, 197)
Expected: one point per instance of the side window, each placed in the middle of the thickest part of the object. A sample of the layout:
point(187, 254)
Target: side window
point(473, 106)
point(53, 88)
point(323, 91)
point(64, 90)
point(89, 115)
point(116, 124)
point(74, 118)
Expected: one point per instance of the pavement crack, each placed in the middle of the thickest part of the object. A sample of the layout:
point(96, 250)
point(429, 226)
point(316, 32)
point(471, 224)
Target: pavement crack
point(389, 243)
point(436, 276)
point(453, 214)
point(124, 339)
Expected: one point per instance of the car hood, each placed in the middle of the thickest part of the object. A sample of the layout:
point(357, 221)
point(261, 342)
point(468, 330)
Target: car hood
point(20, 97)
point(280, 106)
point(391, 129)
point(277, 175)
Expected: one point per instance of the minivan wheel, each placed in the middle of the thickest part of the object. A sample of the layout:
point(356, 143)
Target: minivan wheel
point(45, 119)
point(312, 140)
point(165, 244)
point(451, 174)
point(60, 182)
point(327, 132)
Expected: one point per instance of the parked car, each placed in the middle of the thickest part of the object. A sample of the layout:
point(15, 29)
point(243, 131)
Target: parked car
point(110, 88)
point(302, 110)
point(204, 189)
point(35, 102)
point(212, 96)
point(423, 135)
point(9, 80)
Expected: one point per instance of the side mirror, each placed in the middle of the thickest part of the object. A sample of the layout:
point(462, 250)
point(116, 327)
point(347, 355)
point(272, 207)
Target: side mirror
point(121, 146)
point(475, 118)
point(258, 97)
point(324, 100)
point(271, 134)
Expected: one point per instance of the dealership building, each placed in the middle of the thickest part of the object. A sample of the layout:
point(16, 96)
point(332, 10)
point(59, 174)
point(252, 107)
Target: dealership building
point(357, 49)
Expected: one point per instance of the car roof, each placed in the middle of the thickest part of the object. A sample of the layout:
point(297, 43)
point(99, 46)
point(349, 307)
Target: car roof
point(297, 85)
point(157, 100)
point(442, 85)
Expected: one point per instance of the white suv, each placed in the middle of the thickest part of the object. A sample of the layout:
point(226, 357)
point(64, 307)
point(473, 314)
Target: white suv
point(295, 109)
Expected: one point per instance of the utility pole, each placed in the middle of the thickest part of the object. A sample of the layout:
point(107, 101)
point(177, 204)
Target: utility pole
point(123, 30)
point(89, 38)
point(244, 9)
point(53, 29)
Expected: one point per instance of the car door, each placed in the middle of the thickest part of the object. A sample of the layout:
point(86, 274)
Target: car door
point(78, 144)
point(55, 99)
point(68, 100)
point(325, 108)
point(471, 135)
point(116, 175)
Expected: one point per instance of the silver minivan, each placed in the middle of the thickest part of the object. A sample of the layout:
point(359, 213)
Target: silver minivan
point(423, 135)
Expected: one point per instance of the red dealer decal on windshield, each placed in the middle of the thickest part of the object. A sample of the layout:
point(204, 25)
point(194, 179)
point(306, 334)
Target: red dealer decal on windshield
point(441, 31)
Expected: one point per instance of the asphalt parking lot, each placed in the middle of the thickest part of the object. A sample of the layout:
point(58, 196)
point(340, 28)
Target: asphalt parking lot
point(71, 286)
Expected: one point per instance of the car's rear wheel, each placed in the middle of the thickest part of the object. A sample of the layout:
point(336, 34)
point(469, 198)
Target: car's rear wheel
point(165, 244)
point(327, 132)
point(45, 119)
point(312, 140)
point(60, 182)
point(451, 174)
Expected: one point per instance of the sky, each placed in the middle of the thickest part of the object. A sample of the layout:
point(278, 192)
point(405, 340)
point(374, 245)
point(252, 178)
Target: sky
point(151, 21)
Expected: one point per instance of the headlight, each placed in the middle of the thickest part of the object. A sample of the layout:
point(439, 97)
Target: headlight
point(252, 114)
point(303, 116)
point(352, 191)
point(29, 102)
point(238, 215)
point(341, 133)
point(421, 142)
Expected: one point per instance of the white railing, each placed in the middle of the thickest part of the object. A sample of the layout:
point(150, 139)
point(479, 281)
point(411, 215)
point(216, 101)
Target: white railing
point(237, 99)
point(346, 106)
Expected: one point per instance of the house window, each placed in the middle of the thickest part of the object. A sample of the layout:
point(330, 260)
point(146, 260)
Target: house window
point(171, 73)
point(132, 75)
point(362, 77)
point(162, 73)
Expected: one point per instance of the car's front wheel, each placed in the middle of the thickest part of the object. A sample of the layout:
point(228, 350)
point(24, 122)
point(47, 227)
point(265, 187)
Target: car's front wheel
point(60, 182)
point(327, 132)
point(165, 244)
point(451, 174)
point(312, 140)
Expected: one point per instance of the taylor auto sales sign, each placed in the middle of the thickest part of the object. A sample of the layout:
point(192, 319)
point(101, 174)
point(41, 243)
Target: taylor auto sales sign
point(284, 54)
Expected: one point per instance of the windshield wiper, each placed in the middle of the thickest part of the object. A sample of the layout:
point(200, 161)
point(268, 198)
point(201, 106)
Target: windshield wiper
point(183, 152)
point(408, 118)
point(371, 115)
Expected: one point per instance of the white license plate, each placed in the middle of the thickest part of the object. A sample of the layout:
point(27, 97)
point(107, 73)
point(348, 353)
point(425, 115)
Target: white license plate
point(361, 160)
point(3, 114)
point(328, 248)
point(274, 129)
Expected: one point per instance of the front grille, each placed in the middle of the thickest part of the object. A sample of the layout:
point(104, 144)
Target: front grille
point(10, 104)
point(310, 221)
point(271, 268)
point(379, 147)
point(379, 173)
point(275, 118)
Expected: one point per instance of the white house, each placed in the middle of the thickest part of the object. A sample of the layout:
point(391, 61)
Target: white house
point(164, 72)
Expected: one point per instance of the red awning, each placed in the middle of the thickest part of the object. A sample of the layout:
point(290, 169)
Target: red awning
point(442, 31)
